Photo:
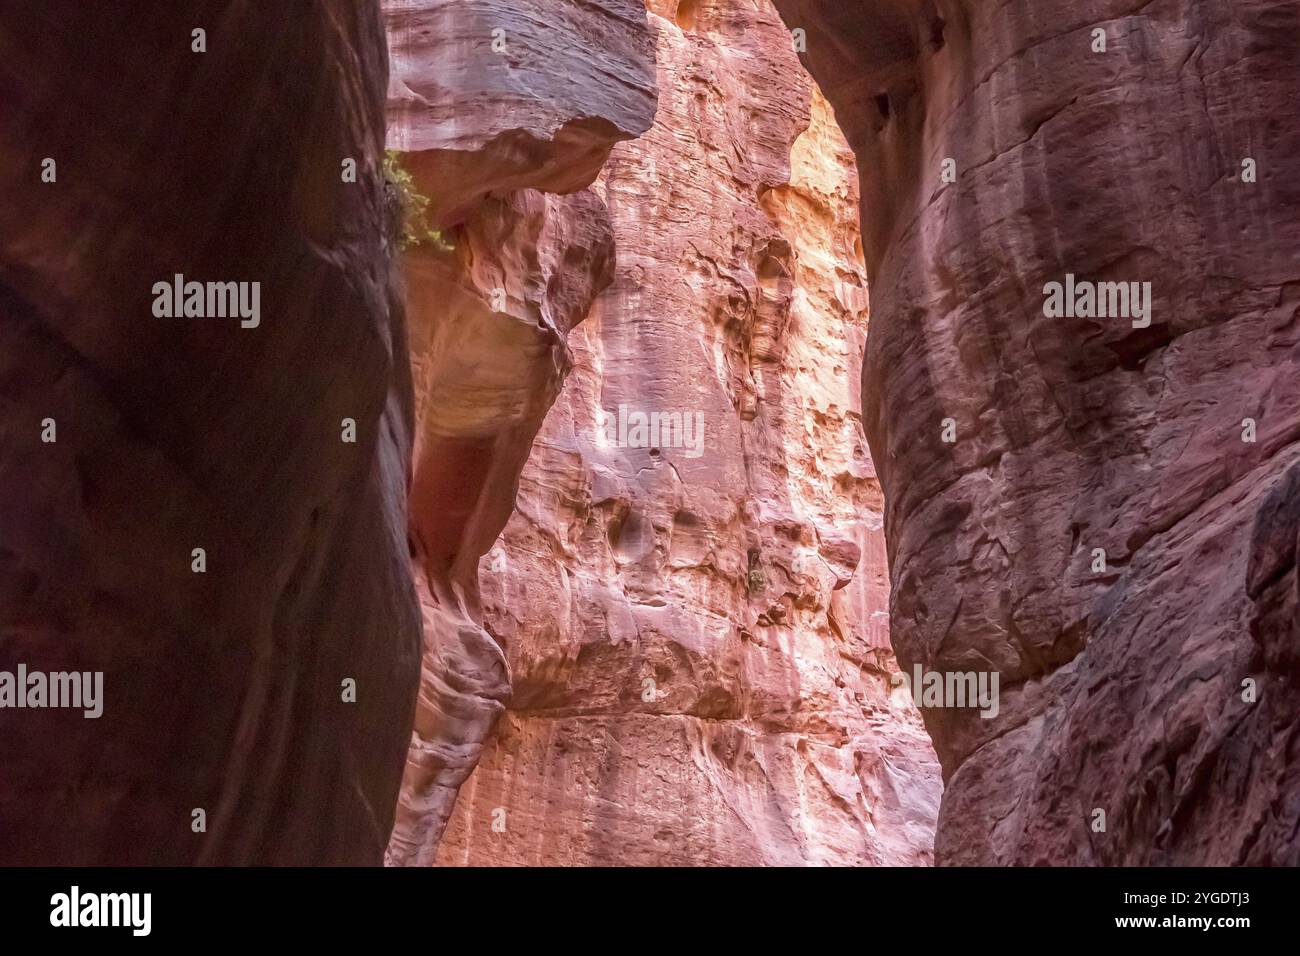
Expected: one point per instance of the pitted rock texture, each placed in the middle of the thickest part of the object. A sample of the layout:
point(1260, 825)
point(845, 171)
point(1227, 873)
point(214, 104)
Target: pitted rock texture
point(697, 636)
point(503, 132)
point(1122, 690)
point(223, 691)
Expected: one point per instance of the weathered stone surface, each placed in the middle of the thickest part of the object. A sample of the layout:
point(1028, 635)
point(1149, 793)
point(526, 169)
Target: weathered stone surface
point(222, 690)
point(1122, 690)
point(490, 138)
point(698, 642)
point(494, 95)
point(484, 378)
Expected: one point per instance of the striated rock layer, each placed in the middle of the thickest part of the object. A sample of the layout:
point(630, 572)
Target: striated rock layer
point(503, 115)
point(696, 624)
point(223, 691)
point(1125, 688)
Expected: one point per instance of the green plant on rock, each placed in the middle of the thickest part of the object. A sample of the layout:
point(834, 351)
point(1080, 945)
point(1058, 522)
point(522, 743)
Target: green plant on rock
point(413, 206)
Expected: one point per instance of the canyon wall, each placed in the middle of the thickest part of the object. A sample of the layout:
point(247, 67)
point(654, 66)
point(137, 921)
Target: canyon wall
point(502, 116)
point(694, 626)
point(639, 649)
point(132, 150)
point(1156, 683)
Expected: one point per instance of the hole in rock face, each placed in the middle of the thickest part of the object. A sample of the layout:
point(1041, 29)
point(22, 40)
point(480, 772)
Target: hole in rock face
point(1139, 345)
point(937, 26)
point(687, 13)
point(631, 537)
point(771, 271)
point(882, 104)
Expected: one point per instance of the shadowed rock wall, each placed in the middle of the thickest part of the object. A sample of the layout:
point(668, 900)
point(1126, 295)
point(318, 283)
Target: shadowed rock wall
point(223, 690)
point(1121, 683)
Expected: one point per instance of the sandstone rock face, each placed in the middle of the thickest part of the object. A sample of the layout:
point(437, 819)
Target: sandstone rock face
point(222, 690)
point(494, 95)
point(695, 625)
point(1121, 689)
point(504, 115)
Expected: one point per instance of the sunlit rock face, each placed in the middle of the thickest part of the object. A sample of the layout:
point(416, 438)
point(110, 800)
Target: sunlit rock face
point(695, 622)
point(1156, 683)
point(228, 732)
point(504, 114)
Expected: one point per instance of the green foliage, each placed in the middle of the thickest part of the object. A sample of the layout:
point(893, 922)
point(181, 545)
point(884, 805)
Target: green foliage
point(414, 206)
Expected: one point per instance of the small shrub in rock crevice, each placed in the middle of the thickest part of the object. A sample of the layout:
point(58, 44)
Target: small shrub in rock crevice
point(412, 207)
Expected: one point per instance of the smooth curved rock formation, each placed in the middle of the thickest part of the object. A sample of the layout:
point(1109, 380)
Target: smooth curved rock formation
point(697, 632)
point(1122, 685)
point(223, 691)
point(498, 130)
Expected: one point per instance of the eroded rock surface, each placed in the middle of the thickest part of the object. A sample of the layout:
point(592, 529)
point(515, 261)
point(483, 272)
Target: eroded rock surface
point(223, 690)
point(494, 95)
point(1122, 690)
point(504, 115)
point(697, 632)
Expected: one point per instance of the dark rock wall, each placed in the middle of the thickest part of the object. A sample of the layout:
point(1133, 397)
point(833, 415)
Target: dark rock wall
point(1121, 690)
point(223, 690)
